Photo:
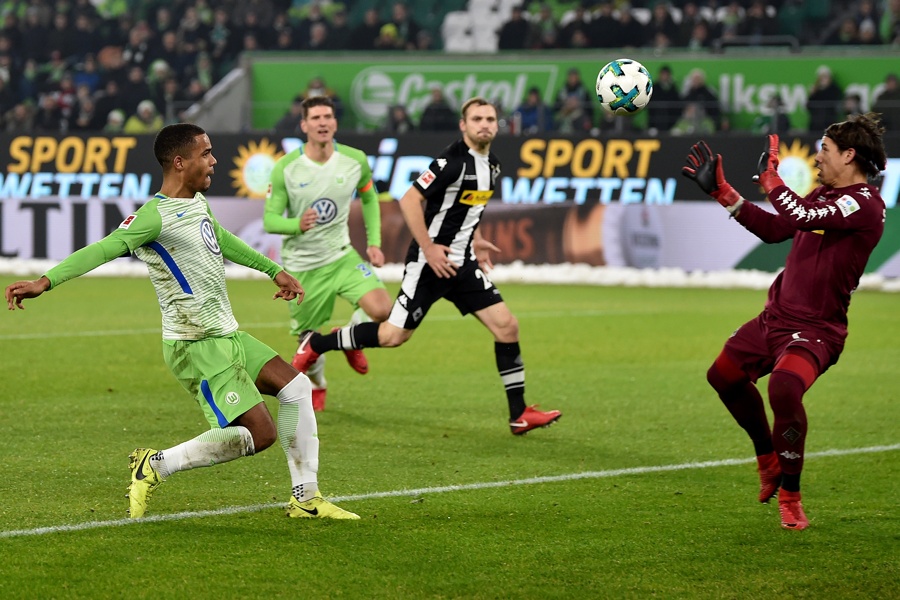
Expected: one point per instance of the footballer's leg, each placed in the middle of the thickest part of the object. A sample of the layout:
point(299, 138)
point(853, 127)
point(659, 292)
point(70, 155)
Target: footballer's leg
point(298, 434)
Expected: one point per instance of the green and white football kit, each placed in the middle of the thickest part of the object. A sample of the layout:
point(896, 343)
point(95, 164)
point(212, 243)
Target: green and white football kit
point(183, 247)
point(322, 258)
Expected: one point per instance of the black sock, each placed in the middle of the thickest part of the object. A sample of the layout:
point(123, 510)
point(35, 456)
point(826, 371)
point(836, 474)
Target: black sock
point(512, 372)
point(790, 482)
point(362, 335)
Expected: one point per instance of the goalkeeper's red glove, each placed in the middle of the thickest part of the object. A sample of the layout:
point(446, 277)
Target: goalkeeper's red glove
point(706, 170)
point(767, 168)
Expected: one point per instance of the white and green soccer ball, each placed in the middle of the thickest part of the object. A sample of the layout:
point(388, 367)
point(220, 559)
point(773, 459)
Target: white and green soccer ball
point(624, 87)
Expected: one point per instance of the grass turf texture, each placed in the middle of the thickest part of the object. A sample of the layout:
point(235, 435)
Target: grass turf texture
point(625, 365)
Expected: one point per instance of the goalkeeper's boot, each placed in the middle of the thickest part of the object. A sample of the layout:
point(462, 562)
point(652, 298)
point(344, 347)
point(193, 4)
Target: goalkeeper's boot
point(355, 358)
point(533, 418)
point(317, 508)
point(792, 515)
point(769, 476)
point(318, 397)
point(305, 356)
point(144, 479)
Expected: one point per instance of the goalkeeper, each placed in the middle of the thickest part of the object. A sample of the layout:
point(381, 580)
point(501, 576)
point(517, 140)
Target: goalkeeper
point(801, 331)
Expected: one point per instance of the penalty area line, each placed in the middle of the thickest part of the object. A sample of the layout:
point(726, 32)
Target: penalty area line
point(233, 510)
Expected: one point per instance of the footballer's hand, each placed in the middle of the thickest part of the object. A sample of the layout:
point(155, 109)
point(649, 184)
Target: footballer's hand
point(705, 169)
point(18, 291)
point(440, 263)
point(483, 249)
point(376, 256)
point(308, 219)
point(288, 287)
point(767, 168)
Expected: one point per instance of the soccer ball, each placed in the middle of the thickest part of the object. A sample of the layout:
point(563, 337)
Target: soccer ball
point(624, 87)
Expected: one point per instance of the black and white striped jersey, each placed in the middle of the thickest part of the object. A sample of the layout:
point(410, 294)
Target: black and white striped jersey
point(457, 186)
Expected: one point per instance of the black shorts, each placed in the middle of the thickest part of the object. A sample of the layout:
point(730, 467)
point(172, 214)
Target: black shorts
point(470, 290)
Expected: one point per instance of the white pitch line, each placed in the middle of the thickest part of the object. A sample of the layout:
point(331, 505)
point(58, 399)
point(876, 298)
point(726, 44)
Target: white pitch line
point(233, 510)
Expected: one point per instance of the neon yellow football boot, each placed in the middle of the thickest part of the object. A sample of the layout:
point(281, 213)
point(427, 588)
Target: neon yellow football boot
point(317, 508)
point(144, 479)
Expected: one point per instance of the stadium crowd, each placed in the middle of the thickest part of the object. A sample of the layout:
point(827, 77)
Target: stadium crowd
point(132, 66)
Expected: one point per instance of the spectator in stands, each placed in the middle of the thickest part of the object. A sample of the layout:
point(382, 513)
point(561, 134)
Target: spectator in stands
point(698, 92)
point(605, 31)
point(666, 107)
point(757, 24)
point(544, 30)
point(532, 115)
point(632, 34)
point(84, 37)
point(824, 101)
point(193, 32)
point(339, 32)
point(12, 30)
point(137, 52)
point(222, 39)
point(263, 9)
point(135, 90)
point(661, 22)
point(846, 35)
point(438, 116)
point(318, 38)
point(569, 34)
point(8, 98)
point(852, 105)
point(173, 54)
point(61, 36)
point(867, 16)
point(146, 120)
point(115, 122)
point(407, 28)
point(398, 121)
point(109, 98)
point(868, 34)
point(20, 118)
point(694, 121)
point(772, 118)
point(573, 117)
point(87, 73)
point(514, 34)
point(730, 23)
point(388, 39)
point(424, 41)
point(289, 123)
point(317, 87)
point(34, 44)
point(85, 117)
point(690, 18)
point(574, 87)
point(48, 116)
point(304, 28)
point(365, 34)
point(889, 25)
point(700, 37)
point(888, 103)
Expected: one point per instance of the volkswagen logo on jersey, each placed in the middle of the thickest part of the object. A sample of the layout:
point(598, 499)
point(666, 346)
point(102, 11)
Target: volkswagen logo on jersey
point(209, 236)
point(326, 210)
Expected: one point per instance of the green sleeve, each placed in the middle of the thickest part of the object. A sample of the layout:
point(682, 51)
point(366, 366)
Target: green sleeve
point(135, 231)
point(274, 220)
point(369, 198)
point(371, 215)
point(237, 251)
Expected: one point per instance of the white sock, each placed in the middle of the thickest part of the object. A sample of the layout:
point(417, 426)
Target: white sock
point(299, 436)
point(207, 449)
point(359, 316)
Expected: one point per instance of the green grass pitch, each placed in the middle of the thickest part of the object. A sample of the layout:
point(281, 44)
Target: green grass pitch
point(645, 488)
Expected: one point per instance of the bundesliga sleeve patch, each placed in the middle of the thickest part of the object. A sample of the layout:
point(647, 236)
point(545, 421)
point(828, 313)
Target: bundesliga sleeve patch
point(847, 205)
point(425, 179)
point(127, 222)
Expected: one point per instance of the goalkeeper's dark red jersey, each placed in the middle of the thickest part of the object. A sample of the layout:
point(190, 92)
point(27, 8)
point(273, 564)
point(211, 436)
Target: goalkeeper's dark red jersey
point(834, 231)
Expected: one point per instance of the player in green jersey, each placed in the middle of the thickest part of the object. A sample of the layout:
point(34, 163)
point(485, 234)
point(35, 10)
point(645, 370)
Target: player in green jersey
point(225, 369)
point(309, 204)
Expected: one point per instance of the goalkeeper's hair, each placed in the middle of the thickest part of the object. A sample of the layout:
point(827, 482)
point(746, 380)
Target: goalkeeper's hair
point(315, 101)
point(175, 140)
point(863, 133)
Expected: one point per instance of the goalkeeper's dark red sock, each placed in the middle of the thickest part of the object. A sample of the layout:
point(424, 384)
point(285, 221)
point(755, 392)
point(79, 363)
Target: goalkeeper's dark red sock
point(355, 337)
point(789, 429)
point(743, 401)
